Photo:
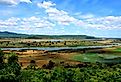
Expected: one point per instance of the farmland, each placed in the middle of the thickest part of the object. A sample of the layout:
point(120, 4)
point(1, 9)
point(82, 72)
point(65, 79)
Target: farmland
point(43, 60)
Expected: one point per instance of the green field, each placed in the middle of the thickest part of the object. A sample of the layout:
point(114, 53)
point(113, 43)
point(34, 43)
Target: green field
point(93, 57)
point(117, 50)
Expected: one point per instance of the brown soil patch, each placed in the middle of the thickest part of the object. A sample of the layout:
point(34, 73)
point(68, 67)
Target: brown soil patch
point(42, 57)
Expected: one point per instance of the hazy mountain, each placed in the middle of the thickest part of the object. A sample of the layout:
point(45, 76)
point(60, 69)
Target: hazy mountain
point(7, 34)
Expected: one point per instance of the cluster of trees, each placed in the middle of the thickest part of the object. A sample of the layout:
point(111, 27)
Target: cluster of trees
point(91, 73)
point(60, 43)
point(4, 44)
point(10, 71)
point(9, 67)
point(49, 43)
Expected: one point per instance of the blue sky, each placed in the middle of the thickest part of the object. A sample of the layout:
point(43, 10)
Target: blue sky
point(101, 18)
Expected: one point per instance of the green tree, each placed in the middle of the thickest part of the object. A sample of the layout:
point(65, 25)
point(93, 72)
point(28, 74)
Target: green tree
point(10, 70)
point(32, 65)
point(12, 58)
point(1, 56)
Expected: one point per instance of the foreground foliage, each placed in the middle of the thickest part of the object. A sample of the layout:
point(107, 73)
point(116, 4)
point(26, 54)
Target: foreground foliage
point(9, 68)
point(11, 71)
point(85, 74)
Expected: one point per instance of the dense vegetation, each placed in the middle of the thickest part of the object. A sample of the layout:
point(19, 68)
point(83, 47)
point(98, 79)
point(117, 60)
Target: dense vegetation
point(72, 43)
point(9, 68)
point(10, 71)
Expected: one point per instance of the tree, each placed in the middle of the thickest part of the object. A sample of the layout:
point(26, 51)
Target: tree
point(1, 56)
point(1, 59)
point(50, 65)
point(12, 58)
point(10, 70)
point(32, 65)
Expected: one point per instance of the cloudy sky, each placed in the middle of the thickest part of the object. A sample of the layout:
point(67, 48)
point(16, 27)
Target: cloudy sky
point(100, 18)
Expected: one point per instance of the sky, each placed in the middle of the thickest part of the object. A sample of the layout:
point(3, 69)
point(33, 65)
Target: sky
point(100, 18)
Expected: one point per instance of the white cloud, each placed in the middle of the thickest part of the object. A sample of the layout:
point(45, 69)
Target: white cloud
point(86, 16)
point(13, 2)
point(25, 23)
point(9, 2)
point(59, 16)
point(82, 20)
point(108, 22)
point(46, 4)
point(26, 1)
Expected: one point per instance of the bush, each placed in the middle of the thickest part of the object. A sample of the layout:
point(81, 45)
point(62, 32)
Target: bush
point(9, 71)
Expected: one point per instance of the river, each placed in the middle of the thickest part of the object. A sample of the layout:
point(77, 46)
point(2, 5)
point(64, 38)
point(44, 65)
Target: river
point(56, 48)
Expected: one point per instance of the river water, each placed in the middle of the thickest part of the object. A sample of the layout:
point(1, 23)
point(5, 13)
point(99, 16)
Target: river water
point(56, 48)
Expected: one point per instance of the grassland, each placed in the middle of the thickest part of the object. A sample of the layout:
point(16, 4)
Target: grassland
point(93, 57)
point(117, 50)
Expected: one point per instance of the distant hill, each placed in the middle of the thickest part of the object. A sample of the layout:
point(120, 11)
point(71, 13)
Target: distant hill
point(6, 34)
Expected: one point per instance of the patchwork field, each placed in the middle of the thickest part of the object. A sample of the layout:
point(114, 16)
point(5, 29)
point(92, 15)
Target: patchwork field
point(42, 57)
point(72, 57)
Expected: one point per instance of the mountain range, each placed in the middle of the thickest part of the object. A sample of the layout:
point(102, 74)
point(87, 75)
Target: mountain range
point(7, 34)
